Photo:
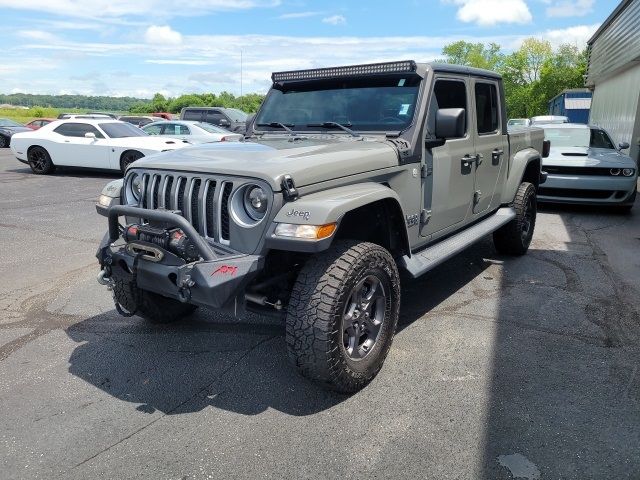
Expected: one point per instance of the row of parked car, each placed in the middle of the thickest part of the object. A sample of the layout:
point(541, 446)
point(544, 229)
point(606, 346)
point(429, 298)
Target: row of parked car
point(100, 141)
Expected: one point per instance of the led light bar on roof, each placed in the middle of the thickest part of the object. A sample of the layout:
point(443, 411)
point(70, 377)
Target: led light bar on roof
point(371, 69)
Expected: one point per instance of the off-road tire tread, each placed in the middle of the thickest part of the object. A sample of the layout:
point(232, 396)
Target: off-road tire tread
point(507, 239)
point(313, 344)
point(151, 306)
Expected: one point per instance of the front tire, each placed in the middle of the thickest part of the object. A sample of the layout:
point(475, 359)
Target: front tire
point(342, 315)
point(151, 306)
point(515, 237)
point(40, 161)
point(128, 158)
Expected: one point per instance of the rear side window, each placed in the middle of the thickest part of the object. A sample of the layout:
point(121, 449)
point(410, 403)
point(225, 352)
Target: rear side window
point(77, 130)
point(192, 115)
point(153, 129)
point(487, 108)
point(173, 129)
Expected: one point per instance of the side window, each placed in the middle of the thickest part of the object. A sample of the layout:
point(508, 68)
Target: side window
point(214, 117)
point(446, 94)
point(77, 130)
point(487, 111)
point(599, 139)
point(153, 129)
point(193, 115)
point(182, 130)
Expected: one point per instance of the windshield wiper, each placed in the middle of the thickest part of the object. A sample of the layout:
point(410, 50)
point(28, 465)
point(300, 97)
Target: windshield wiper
point(283, 126)
point(335, 125)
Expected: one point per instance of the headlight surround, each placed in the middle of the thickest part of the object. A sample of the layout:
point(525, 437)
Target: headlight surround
point(615, 172)
point(250, 204)
point(628, 172)
point(133, 188)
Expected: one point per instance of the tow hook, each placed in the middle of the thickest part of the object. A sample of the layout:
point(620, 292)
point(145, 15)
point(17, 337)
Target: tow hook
point(104, 278)
point(184, 289)
point(263, 301)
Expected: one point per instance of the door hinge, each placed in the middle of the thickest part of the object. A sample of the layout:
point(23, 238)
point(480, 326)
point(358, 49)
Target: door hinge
point(425, 216)
point(476, 197)
point(427, 171)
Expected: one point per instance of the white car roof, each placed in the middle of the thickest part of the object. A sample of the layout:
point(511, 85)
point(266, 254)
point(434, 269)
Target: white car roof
point(90, 121)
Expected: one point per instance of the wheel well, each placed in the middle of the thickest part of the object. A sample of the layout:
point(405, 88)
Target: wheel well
point(131, 150)
point(36, 146)
point(380, 222)
point(532, 172)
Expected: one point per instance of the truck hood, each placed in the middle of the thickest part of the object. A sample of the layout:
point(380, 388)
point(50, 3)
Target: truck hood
point(587, 157)
point(307, 160)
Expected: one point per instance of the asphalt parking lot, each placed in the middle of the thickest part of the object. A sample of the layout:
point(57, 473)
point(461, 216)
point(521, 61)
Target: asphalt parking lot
point(501, 367)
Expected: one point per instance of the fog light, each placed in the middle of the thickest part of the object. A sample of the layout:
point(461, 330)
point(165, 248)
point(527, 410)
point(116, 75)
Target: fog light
point(309, 232)
point(627, 172)
point(615, 171)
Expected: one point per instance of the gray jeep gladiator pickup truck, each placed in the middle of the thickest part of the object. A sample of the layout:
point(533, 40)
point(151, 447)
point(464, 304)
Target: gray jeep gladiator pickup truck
point(347, 177)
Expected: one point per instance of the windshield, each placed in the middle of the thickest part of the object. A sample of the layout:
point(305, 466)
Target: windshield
point(210, 128)
point(236, 115)
point(366, 104)
point(5, 122)
point(121, 130)
point(578, 137)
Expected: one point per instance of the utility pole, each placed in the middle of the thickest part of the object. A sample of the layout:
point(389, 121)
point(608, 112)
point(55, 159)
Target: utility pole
point(240, 73)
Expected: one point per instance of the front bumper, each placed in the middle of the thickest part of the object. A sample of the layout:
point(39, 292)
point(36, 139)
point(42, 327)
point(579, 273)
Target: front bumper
point(215, 280)
point(587, 189)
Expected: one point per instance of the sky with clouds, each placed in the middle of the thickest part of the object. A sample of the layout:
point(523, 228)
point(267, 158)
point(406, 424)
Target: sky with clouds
point(139, 47)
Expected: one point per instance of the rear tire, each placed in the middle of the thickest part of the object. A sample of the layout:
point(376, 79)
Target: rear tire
point(151, 306)
point(127, 158)
point(40, 161)
point(515, 237)
point(342, 315)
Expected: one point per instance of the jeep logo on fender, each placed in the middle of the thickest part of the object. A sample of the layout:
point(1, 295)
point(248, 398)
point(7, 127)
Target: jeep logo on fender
point(298, 213)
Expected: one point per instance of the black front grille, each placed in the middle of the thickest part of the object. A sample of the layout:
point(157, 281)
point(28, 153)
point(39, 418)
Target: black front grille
point(575, 193)
point(562, 170)
point(201, 200)
point(224, 211)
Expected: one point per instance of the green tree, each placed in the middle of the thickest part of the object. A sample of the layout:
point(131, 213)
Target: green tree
point(473, 54)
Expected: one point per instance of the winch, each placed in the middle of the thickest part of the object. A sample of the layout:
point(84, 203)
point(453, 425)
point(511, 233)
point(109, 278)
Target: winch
point(173, 240)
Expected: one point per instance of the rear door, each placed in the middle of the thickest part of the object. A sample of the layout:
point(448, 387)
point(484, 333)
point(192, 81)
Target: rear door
point(490, 142)
point(448, 182)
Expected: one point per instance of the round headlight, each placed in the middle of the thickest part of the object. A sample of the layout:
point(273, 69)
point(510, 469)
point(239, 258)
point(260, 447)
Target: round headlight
point(136, 186)
point(615, 171)
point(133, 189)
point(627, 172)
point(255, 202)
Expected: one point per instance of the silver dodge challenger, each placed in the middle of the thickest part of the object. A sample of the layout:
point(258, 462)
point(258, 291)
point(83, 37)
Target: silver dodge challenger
point(584, 166)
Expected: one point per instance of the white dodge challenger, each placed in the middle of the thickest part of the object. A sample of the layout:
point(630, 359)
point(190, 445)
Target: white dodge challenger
point(88, 143)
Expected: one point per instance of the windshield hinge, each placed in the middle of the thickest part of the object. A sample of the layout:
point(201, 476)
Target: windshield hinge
point(427, 171)
point(289, 189)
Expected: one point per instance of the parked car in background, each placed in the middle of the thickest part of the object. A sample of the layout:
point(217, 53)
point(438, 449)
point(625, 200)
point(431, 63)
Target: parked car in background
point(192, 132)
point(110, 115)
point(7, 129)
point(39, 122)
point(89, 143)
point(138, 120)
point(518, 122)
point(584, 166)
point(85, 116)
point(165, 115)
point(548, 119)
point(230, 118)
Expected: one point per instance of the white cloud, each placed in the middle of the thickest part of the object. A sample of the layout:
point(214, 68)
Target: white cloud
point(114, 9)
point(570, 8)
point(492, 12)
point(162, 35)
point(38, 35)
point(577, 35)
point(294, 15)
point(335, 20)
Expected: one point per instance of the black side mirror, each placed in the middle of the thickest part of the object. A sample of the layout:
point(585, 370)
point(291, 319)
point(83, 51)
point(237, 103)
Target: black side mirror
point(623, 145)
point(450, 123)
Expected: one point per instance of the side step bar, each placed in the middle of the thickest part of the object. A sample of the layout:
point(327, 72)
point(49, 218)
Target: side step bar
point(421, 262)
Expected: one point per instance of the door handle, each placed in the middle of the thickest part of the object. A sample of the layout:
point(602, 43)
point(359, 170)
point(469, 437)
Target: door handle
point(495, 156)
point(466, 160)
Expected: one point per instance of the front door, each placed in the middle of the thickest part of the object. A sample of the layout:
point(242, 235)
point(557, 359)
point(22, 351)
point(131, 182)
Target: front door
point(449, 170)
point(491, 143)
